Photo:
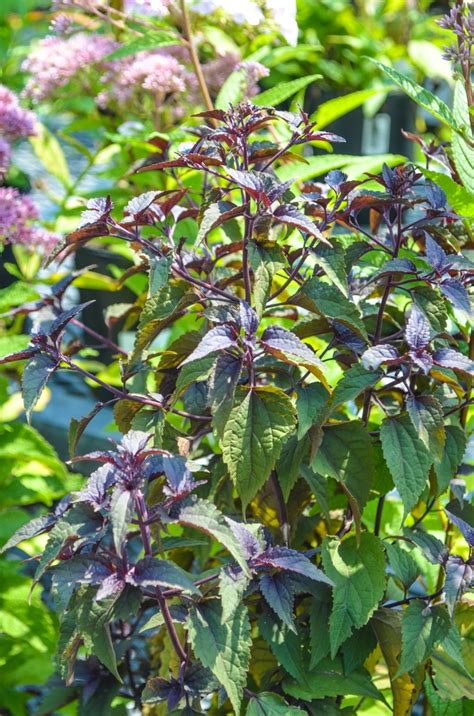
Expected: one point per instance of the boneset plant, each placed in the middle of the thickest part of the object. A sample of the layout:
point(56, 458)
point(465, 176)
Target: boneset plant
point(281, 520)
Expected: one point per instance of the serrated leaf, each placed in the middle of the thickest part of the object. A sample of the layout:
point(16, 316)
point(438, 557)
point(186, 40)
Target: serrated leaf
point(423, 97)
point(453, 452)
point(458, 580)
point(311, 407)
point(267, 704)
point(150, 572)
point(404, 566)
point(423, 628)
point(345, 454)
point(32, 528)
point(354, 382)
point(258, 424)
point(204, 516)
point(381, 354)
point(121, 504)
point(159, 272)
point(278, 594)
point(358, 573)
point(329, 680)
point(319, 630)
point(292, 216)
point(407, 458)
point(463, 153)
point(224, 648)
point(288, 466)
point(195, 372)
point(432, 548)
point(287, 347)
point(217, 339)
point(284, 90)
point(326, 300)
point(222, 384)
point(265, 261)
point(463, 517)
point(232, 585)
point(285, 645)
point(35, 376)
point(290, 560)
point(456, 294)
point(332, 260)
point(216, 215)
point(449, 358)
point(386, 624)
point(432, 306)
point(427, 417)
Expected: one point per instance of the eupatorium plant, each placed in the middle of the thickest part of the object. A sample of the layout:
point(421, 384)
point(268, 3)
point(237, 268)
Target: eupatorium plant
point(282, 520)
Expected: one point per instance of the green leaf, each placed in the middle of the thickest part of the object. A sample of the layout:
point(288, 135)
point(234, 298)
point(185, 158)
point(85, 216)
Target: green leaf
point(194, 372)
point(331, 110)
point(427, 417)
point(287, 347)
point(265, 262)
point(450, 678)
point(407, 458)
point(224, 648)
point(258, 424)
point(329, 680)
point(216, 215)
point(440, 707)
point(459, 198)
point(151, 40)
point(353, 383)
point(355, 166)
point(49, 152)
point(289, 464)
point(35, 376)
point(278, 594)
point(13, 344)
point(332, 260)
point(359, 575)
point(159, 272)
point(150, 572)
point(282, 91)
point(402, 563)
point(311, 407)
point(386, 624)
point(432, 305)
point(423, 97)
point(327, 301)
point(121, 504)
point(232, 585)
point(345, 454)
point(463, 152)
point(423, 628)
point(285, 645)
point(267, 704)
point(319, 630)
point(232, 90)
point(223, 381)
point(204, 516)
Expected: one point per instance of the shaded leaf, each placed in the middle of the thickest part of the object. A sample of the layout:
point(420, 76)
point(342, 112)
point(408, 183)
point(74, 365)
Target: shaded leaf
point(35, 376)
point(426, 414)
point(423, 628)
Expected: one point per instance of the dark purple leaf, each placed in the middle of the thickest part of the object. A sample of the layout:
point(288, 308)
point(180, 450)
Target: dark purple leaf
point(463, 518)
point(95, 490)
point(376, 356)
point(35, 376)
point(250, 544)
point(137, 206)
point(260, 186)
point(32, 528)
point(417, 331)
point(121, 507)
point(423, 359)
point(396, 266)
point(335, 178)
point(77, 570)
point(435, 196)
point(289, 560)
point(291, 216)
point(109, 586)
point(278, 593)
point(280, 342)
point(458, 579)
point(348, 338)
point(248, 318)
point(457, 294)
point(435, 254)
point(134, 442)
point(19, 355)
point(60, 323)
point(217, 339)
point(96, 210)
point(151, 572)
point(449, 358)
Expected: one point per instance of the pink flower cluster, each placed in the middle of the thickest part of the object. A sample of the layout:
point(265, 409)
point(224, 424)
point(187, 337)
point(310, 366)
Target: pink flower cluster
point(56, 60)
point(151, 8)
point(15, 122)
point(17, 211)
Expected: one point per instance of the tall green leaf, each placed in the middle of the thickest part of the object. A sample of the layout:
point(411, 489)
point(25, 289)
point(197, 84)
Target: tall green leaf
point(284, 90)
point(49, 152)
point(258, 424)
point(358, 573)
point(224, 648)
point(463, 151)
point(423, 628)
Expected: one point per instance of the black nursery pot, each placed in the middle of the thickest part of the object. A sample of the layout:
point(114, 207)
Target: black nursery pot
point(380, 134)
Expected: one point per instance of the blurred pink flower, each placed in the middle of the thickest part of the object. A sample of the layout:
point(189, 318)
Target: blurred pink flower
point(5, 155)
point(16, 213)
point(55, 60)
point(151, 8)
point(15, 122)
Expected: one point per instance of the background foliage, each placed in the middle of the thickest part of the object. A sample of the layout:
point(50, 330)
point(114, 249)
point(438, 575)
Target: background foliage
point(279, 342)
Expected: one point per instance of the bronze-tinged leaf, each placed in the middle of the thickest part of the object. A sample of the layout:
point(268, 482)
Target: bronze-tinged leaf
point(76, 239)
